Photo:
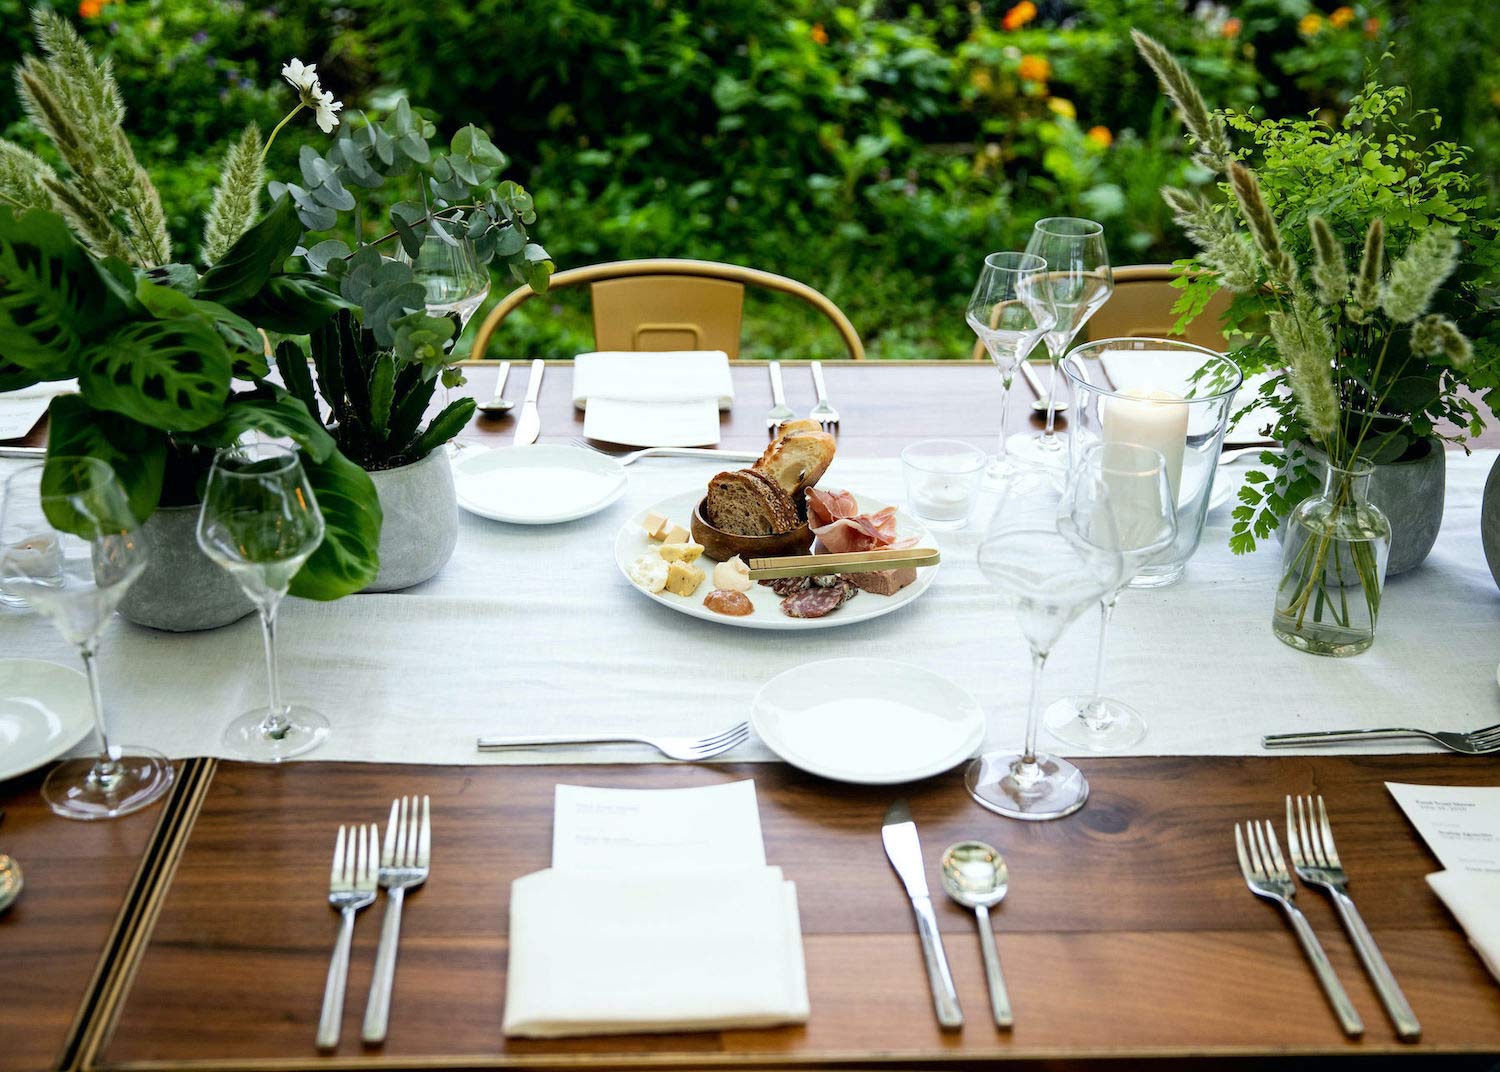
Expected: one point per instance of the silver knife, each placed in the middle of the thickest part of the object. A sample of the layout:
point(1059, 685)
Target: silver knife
point(530, 424)
point(35, 453)
point(905, 852)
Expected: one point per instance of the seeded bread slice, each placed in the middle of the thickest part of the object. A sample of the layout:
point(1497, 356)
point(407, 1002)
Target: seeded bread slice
point(797, 460)
point(748, 503)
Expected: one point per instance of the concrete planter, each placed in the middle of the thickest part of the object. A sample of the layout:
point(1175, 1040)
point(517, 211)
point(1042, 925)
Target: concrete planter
point(421, 521)
point(1410, 494)
point(1489, 521)
point(182, 589)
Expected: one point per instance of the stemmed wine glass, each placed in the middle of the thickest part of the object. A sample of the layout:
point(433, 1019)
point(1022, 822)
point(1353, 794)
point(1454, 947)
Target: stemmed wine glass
point(1145, 515)
point(1010, 311)
point(1078, 282)
point(1053, 563)
point(449, 271)
point(260, 521)
point(73, 560)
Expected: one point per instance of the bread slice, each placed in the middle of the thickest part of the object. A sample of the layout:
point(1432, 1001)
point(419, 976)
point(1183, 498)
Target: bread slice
point(749, 503)
point(804, 425)
point(797, 460)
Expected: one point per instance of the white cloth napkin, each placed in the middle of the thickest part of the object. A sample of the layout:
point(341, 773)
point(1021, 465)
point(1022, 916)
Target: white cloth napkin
point(20, 410)
point(613, 953)
point(1474, 899)
point(653, 376)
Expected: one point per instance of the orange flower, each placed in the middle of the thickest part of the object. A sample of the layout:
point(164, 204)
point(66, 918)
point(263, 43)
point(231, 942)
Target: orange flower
point(1310, 24)
point(89, 9)
point(1341, 17)
point(818, 34)
point(1034, 68)
point(1019, 15)
point(1100, 136)
point(1231, 27)
point(1372, 27)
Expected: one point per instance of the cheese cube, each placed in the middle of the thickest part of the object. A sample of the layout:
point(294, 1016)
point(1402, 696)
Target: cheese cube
point(656, 526)
point(682, 579)
point(678, 535)
point(680, 552)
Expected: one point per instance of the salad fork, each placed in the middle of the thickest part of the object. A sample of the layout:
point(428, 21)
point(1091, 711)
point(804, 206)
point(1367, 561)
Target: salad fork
point(1480, 742)
point(351, 886)
point(1265, 873)
point(687, 749)
point(780, 412)
point(404, 863)
point(823, 412)
point(1309, 838)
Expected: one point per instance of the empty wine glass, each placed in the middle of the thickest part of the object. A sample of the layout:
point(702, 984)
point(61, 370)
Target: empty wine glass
point(450, 273)
point(260, 521)
point(1052, 565)
point(1078, 281)
point(1010, 312)
point(69, 547)
point(1145, 516)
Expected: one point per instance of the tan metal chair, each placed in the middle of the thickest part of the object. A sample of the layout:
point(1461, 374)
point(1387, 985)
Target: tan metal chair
point(670, 304)
point(1141, 307)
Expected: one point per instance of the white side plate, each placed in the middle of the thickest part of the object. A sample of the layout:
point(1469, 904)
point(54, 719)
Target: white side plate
point(44, 711)
point(541, 484)
point(867, 721)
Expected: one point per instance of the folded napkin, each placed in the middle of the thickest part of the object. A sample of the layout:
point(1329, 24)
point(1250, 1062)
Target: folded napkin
point(620, 953)
point(1474, 899)
point(20, 410)
point(653, 376)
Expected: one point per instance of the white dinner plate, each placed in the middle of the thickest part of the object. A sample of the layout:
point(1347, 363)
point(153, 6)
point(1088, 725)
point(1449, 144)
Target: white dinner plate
point(44, 711)
point(540, 484)
point(867, 721)
point(631, 541)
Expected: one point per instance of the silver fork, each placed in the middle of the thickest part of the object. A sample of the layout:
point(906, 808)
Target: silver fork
point(351, 886)
point(687, 749)
point(672, 452)
point(823, 412)
point(403, 866)
point(1310, 841)
point(780, 412)
point(1265, 873)
point(1480, 742)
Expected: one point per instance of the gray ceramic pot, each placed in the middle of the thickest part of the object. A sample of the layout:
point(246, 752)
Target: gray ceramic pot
point(182, 589)
point(1489, 521)
point(1410, 493)
point(420, 528)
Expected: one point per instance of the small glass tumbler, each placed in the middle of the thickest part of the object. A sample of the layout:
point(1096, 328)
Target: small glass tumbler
point(942, 481)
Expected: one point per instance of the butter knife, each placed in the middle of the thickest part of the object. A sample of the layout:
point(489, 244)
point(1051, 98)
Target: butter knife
point(530, 424)
point(904, 849)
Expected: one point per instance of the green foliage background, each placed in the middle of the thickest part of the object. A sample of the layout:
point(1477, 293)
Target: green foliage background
point(874, 150)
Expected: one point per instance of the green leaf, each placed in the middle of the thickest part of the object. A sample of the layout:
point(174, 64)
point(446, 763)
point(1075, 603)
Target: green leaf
point(243, 270)
point(447, 424)
point(13, 377)
point(291, 362)
point(136, 453)
point(422, 338)
point(349, 556)
point(291, 305)
point(274, 412)
point(330, 249)
point(411, 405)
point(382, 390)
point(169, 374)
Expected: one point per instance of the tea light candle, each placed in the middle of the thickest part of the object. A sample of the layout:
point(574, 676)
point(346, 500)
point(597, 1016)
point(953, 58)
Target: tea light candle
point(1150, 418)
point(37, 557)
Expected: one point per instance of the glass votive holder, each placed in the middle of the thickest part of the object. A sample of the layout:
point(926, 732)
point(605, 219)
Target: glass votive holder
point(942, 481)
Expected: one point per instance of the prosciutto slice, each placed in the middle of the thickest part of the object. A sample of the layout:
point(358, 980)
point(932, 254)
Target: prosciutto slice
point(840, 528)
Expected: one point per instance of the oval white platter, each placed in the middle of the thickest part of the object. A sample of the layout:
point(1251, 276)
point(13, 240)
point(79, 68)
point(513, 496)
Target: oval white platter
point(540, 484)
point(44, 711)
point(631, 541)
point(867, 721)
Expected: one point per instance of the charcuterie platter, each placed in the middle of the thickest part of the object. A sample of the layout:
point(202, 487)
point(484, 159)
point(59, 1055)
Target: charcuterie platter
point(695, 551)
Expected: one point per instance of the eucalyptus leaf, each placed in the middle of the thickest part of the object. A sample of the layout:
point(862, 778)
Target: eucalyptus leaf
point(321, 255)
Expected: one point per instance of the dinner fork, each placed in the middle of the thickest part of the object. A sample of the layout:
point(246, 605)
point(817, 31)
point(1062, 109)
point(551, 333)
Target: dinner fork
point(823, 412)
point(1265, 873)
point(672, 452)
point(780, 412)
point(1309, 838)
point(687, 749)
point(351, 886)
point(403, 866)
point(1480, 742)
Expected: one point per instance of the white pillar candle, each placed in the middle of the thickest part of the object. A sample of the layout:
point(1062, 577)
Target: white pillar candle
point(1155, 419)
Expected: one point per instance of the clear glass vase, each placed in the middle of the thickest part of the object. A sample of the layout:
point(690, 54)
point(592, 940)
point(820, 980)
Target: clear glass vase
point(1333, 567)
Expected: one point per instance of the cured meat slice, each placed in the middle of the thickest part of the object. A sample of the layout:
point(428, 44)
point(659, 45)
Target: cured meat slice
point(813, 602)
point(826, 507)
point(785, 586)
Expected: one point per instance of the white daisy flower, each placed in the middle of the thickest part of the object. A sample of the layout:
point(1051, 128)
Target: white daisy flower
point(327, 109)
point(303, 76)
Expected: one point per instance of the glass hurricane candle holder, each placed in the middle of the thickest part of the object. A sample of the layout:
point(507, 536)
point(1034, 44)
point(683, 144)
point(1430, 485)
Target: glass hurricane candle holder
point(1173, 397)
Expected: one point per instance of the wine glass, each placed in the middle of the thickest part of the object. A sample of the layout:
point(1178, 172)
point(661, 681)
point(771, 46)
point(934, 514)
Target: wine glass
point(1052, 565)
point(69, 547)
point(452, 277)
point(260, 521)
point(1078, 282)
point(1145, 516)
point(1010, 312)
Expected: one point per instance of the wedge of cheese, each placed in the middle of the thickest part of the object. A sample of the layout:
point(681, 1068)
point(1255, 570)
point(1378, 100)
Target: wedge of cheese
point(683, 579)
point(680, 552)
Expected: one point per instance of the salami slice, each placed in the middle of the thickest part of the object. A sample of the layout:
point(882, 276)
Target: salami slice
point(785, 586)
point(813, 602)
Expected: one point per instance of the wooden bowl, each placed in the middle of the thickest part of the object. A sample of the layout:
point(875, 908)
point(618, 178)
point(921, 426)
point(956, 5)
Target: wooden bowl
point(722, 546)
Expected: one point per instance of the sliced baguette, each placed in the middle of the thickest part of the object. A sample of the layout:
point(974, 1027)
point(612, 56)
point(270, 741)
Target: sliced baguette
point(797, 460)
point(748, 503)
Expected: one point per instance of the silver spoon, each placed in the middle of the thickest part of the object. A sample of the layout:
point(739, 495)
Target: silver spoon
point(1039, 403)
point(10, 879)
point(974, 875)
point(498, 405)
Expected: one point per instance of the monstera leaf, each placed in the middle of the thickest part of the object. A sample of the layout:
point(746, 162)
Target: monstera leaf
point(349, 556)
point(137, 454)
point(170, 374)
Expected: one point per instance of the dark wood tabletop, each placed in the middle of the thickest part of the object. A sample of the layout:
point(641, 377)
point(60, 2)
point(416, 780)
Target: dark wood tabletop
point(1127, 933)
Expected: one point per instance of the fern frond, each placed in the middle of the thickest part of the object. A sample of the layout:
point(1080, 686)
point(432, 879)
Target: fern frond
point(236, 200)
point(23, 179)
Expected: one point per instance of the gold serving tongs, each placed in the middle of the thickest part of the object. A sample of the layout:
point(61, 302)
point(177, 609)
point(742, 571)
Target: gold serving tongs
point(767, 569)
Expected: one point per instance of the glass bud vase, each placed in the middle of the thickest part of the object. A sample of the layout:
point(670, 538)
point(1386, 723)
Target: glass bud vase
point(1333, 567)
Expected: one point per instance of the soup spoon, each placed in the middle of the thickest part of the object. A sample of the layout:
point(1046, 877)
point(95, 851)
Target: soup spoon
point(498, 404)
point(974, 875)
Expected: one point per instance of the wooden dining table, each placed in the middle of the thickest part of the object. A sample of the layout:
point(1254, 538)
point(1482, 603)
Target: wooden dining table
point(196, 934)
